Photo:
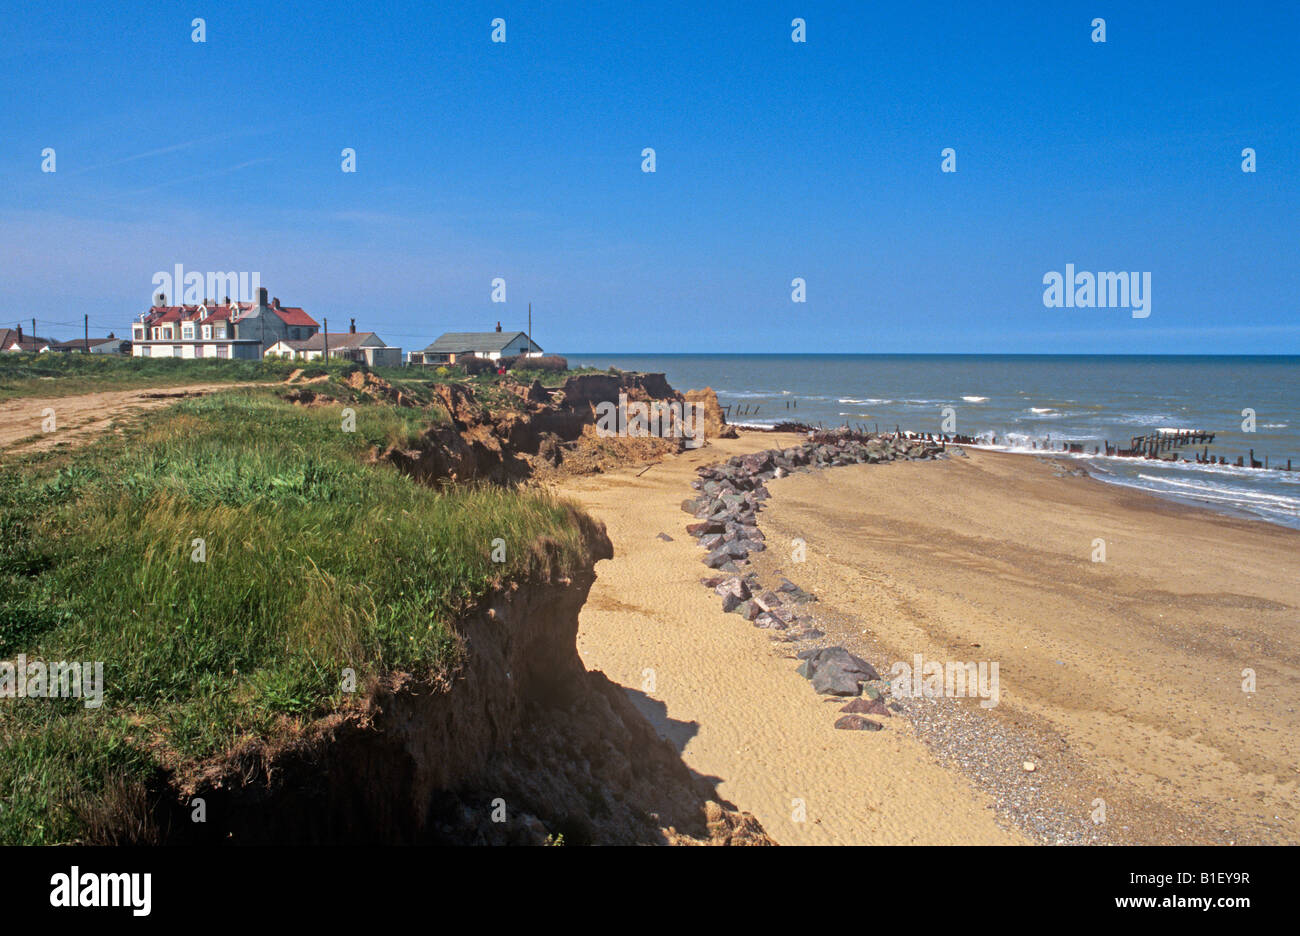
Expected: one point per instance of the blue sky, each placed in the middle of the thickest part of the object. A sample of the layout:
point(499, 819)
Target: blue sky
point(774, 160)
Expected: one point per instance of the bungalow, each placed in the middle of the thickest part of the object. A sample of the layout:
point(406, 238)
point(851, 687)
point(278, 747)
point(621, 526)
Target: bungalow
point(12, 339)
point(491, 345)
point(352, 345)
point(215, 329)
point(109, 345)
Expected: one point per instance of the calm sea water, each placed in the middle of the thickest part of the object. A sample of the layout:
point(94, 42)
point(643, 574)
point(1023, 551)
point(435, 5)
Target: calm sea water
point(1022, 399)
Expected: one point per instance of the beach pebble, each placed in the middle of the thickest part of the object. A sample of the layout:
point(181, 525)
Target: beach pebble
point(867, 707)
point(1029, 766)
point(665, 537)
point(857, 723)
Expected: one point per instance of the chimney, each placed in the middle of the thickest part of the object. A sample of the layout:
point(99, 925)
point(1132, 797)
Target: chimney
point(20, 331)
point(111, 336)
point(352, 329)
point(498, 326)
point(227, 300)
point(261, 297)
point(275, 302)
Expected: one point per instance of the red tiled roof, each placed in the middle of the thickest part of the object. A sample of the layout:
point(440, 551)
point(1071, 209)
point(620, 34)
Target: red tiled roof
point(290, 315)
point(293, 315)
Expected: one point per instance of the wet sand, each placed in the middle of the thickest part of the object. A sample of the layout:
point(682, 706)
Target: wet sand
point(1125, 675)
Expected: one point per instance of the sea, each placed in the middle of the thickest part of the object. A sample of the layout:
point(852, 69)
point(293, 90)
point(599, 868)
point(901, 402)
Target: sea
point(1022, 403)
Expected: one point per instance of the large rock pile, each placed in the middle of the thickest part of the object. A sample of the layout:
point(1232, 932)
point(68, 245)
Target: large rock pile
point(726, 511)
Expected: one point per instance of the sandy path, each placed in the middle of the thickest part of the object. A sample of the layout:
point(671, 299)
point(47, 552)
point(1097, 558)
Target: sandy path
point(1136, 661)
point(730, 699)
point(81, 418)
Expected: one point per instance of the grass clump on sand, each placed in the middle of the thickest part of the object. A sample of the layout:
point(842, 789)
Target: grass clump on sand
point(315, 561)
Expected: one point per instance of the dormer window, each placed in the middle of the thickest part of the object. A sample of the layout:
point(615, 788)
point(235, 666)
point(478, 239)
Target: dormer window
point(207, 332)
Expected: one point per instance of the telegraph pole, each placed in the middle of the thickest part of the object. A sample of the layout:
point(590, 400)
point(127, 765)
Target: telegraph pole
point(86, 322)
point(325, 337)
point(530, 330)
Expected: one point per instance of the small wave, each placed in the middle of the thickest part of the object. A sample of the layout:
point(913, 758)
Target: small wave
point(976, 399)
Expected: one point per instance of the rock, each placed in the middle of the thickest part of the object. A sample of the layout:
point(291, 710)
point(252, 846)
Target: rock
point(769, 622)
point(867, 707)
point(768, 601)
point(665, 537)
point(747, 609)
point(803, 670)
point(835, 671)
point(690, 505)
point(711, 541)
point(857, 723)
point(713, 581)
point(706, 526)
point(1029, 766)
point(733, 585)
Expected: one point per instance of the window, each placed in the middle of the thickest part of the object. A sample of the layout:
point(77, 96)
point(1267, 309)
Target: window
point(137, 332)
point(144, 350)
point(223, 351)
point(221, 331)
point(176, 350)
point(207, 332)
point(187, 332)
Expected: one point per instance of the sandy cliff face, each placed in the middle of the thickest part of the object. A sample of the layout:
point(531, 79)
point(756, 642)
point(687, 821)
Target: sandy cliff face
point(520, 746)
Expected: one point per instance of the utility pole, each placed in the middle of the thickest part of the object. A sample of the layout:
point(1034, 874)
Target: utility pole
point(530, 330)
point(325, 337)
point(86, 322)
point(33, 329)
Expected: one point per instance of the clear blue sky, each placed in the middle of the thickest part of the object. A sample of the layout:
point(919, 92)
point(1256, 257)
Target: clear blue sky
point(774, 160)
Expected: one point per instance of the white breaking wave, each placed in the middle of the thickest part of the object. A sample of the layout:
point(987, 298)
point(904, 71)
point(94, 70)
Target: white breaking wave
point(976, 399)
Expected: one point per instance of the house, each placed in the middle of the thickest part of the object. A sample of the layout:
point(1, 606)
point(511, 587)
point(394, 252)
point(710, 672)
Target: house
point(109, 345)
point(491, 345)
point(352, 345)
point(218, 329)
point(12, 339)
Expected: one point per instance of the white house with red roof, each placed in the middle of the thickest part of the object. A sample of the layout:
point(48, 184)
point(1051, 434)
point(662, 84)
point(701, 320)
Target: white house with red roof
point(216, 329)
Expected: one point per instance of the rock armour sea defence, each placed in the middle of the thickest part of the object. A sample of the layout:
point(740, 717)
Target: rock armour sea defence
point(726, 508)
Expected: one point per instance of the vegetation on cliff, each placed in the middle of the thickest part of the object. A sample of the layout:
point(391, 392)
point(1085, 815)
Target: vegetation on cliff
point(227, 560)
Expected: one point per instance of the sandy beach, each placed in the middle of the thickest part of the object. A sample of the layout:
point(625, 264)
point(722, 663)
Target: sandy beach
point(1121, 681)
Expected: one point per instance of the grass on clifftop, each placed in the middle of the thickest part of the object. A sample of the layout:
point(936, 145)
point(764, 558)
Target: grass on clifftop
point(53, 375)
point(316, 561)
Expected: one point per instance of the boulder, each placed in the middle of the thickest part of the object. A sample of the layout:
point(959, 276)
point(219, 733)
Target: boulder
point(835, 671)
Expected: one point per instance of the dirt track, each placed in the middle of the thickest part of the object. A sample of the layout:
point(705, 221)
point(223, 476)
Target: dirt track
point(80, 418)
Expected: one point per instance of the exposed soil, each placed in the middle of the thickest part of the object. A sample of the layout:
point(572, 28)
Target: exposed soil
point(78, 419)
